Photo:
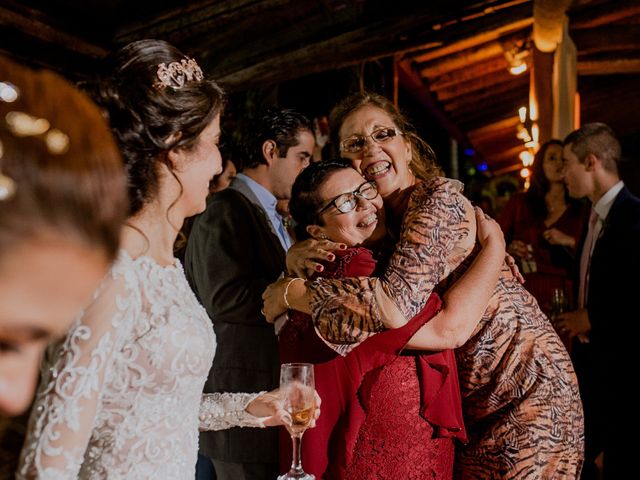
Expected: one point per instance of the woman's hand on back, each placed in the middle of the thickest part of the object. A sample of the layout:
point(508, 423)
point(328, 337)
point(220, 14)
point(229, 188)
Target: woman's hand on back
point(303, 258)
point(488, 232)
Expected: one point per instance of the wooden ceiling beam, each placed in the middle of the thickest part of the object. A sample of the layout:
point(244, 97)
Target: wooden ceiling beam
point(469, 72)
point(609, 66)
point(507, 140)
point(247, 67)
point(607, 39)
point(415, 86)
point(460, 60)
point(493, 113)
point(192, 19)
point(603, 14)
point(372, 41)
point(488, 130)
point(478, 85)
point(505, 155)
point(517, 87)
point(475, 39)
point(43, 30)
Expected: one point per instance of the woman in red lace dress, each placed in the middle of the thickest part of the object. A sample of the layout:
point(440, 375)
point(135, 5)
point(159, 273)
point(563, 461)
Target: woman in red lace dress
point(521, 403)
point(385, 414)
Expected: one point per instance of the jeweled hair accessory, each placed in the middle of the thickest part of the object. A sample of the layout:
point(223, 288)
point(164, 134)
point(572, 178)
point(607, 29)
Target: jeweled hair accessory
point(176, 74)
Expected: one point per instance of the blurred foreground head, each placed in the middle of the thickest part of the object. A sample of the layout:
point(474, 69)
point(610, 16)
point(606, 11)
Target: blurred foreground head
point(62, 204)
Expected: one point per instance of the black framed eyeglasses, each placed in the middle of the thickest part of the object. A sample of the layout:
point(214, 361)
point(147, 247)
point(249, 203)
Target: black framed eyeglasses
point(356, 143)
point(346, 202)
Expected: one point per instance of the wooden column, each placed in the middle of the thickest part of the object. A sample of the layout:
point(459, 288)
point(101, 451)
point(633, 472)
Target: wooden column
point(541, 93)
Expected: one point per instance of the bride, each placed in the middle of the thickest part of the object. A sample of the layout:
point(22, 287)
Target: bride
point(120, 395)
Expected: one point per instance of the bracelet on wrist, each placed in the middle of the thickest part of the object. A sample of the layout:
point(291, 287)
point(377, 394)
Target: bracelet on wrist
point(286, 290)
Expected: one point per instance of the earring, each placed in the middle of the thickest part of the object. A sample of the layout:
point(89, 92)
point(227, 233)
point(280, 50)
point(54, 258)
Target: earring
point(323, 236)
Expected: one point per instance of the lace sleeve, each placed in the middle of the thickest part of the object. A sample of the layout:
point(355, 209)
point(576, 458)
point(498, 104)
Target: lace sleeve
point(69, 394)
point(219, 411)
point(438, 231)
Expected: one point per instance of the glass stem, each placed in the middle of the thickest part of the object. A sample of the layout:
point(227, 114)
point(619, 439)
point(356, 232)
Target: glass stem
point(296, 462)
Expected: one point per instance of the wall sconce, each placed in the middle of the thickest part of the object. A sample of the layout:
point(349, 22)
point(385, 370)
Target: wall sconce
point(528, 130)
point(516, 54)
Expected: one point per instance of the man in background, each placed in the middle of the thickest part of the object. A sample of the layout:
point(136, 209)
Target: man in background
point(607, 299)
point(236, 248)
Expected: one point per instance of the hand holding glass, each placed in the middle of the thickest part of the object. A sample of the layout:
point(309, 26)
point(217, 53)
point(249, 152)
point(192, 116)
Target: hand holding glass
point(297, 387)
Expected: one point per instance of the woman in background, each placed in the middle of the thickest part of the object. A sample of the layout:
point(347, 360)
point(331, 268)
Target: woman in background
point(542, 228)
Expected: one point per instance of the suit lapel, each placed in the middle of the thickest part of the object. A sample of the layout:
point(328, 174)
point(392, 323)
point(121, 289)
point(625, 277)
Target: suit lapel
point(246, 192)
point(609, 225)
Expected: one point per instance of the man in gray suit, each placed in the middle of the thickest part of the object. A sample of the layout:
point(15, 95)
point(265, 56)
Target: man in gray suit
point(236, 248)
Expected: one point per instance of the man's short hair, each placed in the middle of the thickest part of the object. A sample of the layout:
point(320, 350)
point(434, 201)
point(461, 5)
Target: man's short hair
point(280, 125)
point(598, 139)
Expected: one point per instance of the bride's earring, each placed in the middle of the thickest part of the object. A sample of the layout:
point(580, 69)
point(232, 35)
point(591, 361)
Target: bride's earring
point(323, 236)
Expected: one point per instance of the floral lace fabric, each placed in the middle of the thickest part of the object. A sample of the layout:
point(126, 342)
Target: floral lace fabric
point(121, 395)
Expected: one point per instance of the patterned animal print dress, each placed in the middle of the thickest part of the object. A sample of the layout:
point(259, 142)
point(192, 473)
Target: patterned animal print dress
point(520, 394)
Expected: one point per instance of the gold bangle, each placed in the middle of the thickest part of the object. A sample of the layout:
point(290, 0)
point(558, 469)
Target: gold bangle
point(286, 290)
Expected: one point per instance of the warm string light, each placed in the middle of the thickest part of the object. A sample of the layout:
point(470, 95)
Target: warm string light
point(529, 133)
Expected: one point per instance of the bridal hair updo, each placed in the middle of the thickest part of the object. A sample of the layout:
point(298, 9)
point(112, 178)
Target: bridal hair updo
point(61, 173)
point(423, 162)
point(157, 99)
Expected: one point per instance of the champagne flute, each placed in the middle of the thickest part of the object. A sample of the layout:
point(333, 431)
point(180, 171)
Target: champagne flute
point(297, 386)
point(558, 303)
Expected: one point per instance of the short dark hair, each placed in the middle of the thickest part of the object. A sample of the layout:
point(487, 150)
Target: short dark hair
point(305, 201)
point(598, 139)
point(280, 125)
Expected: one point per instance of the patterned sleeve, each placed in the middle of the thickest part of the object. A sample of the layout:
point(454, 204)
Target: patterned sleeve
point(438, 231)
point(72, 376)
point(219, 411)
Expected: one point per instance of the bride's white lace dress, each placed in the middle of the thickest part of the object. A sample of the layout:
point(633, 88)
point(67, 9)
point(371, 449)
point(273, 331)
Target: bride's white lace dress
point(121, 395)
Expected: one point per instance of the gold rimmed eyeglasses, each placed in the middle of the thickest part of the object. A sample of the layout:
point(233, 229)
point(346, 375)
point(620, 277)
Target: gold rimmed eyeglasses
point(356, 143)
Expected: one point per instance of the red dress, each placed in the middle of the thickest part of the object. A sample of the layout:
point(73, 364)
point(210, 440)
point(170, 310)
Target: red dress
point(385, 414)
point(555, 264)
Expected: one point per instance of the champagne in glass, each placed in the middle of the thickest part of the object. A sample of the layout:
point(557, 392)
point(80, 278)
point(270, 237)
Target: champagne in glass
point(558, 303)
point(297, 386)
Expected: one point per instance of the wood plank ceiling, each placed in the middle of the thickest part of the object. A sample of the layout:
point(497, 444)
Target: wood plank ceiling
point(450, 56)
